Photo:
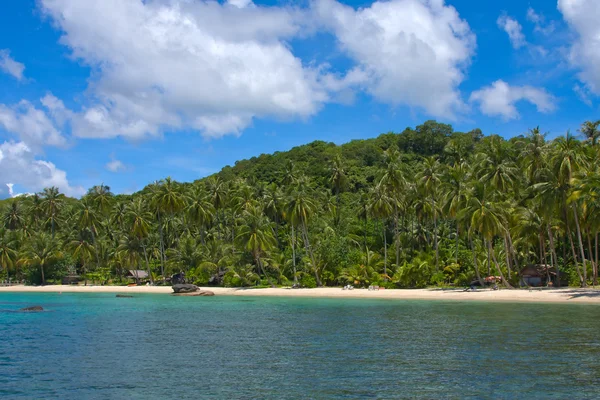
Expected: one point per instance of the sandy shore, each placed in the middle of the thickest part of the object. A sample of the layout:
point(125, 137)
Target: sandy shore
point(566, 295)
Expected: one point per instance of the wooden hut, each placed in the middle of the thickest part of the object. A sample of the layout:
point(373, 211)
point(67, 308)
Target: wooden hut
point(71, 280)
point(540, 275)
point(137, 275)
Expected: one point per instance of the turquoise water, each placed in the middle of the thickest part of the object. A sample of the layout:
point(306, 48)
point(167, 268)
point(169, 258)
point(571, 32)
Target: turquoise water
point(96, 346)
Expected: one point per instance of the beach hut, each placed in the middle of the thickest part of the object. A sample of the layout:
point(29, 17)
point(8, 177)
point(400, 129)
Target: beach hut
point(71, 280)
point(539, 275)
point(137, 275)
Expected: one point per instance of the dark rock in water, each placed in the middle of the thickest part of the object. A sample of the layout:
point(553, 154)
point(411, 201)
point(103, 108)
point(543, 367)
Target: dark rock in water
point(196, 293)
point(34, 308)
point(123, 295)
point(185, 288)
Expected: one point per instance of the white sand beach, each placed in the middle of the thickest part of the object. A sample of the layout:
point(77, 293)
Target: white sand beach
point(563, 295)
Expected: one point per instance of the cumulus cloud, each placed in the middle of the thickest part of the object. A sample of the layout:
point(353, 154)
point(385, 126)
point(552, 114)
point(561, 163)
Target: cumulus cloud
point(514, 30)
point(166, 65)
point(500, 98)
point(540, 23)
point(10, 66)
point(33, 126)
point(583, 16)
point(115, 165)
point(18, 164)
point(403, 50)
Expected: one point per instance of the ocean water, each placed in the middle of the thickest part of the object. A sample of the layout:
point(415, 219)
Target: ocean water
point(97, 346)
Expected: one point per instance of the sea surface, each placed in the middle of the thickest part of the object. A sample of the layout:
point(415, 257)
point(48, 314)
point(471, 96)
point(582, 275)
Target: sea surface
point(97, 346)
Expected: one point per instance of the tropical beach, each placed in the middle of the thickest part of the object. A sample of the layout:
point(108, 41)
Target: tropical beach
point(324, 199)
point(565, 296)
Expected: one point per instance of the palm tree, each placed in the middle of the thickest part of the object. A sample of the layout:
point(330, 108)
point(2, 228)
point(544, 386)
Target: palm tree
point(394, 180)
point(82, 250)
point(454, 184)
point(381, 206)
point(337, 180)
point(590, 130)
point(301, 207)
point(52, 202)
point(166, 200)
point(199, 209)
point(13, 218)
point(485, 218)
point(256, 236)
point(8, 253)
point(429, 179)
point(138, 219)
point(41, 251)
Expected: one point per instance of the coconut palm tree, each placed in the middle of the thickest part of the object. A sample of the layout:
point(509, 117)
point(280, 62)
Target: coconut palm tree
point(82, 250)
point(139, 220)
point(40, 252)
point(8, 253)
point(256, 236)
point(429, 179)
point(200, 209)
point(381, 206)
point(167, 200)
point(301, 207)
point(591, 131)
point(52, 203)
point(337, 180)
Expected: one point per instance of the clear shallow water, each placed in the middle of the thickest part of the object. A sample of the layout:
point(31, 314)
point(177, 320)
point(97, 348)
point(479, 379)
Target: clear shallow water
point(96, 346)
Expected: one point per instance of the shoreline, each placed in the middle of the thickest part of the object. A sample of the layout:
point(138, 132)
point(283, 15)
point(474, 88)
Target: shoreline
point(563, 295)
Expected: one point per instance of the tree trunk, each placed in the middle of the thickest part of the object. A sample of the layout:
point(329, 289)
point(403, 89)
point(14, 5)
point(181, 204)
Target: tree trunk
point(580, 244)
point(581, 281)
point(435, 235)
point(507, 254)
point(596, 258)
point(147, 265)
point(475, 262)
point(590, 255)
point(553, 250)
point(310, 252)
point(294, 255)
point(548, 280)
point(488, 259)
point(456, 255)
point(261, 268)
point(162, 246)
point(384, 250)
point(512, 250)
point(396, 236)
point(43, 277)
point(490, 250)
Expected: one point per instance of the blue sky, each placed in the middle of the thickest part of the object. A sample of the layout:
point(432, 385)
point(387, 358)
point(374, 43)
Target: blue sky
point(125, 92)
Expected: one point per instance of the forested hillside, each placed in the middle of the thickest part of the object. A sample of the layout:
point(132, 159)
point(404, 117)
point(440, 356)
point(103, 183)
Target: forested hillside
point(428, 206)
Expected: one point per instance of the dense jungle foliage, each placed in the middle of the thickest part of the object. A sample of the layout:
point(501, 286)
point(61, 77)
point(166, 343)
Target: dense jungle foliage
point(428, 206)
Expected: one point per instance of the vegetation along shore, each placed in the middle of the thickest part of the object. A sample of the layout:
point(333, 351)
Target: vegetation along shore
point(425, 207)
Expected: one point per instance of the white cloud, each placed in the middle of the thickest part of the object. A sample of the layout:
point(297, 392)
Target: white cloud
point(10, 66)
point(583, 94)
point(583, 16)
point(514, 30)
point(18, 164)
point(403, 50)
point(539, 21)
point(500, 98)
point(167, 65)
point(115, 165)
point(32, 125)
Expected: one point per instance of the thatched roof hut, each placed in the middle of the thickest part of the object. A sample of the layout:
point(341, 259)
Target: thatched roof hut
point(137, 274)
